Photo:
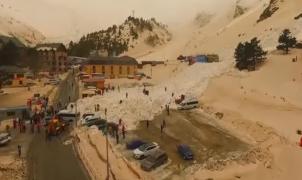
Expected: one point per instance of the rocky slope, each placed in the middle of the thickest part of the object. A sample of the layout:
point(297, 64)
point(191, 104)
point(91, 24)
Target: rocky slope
point(270, 9)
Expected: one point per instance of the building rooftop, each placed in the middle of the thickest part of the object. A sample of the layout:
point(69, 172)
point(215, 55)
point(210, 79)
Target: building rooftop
point(124, 60)
point(50, 46)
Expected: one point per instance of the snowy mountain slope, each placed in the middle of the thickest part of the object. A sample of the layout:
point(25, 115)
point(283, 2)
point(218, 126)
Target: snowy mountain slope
point(13, 28)
point(221, 36)
point(223, 33)
point(70, 19)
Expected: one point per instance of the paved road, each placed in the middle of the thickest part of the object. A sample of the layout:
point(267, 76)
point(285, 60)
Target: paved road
point(53, 160)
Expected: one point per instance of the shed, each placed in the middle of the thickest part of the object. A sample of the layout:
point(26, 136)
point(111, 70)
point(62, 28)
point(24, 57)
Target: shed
point(12, 112)
point(99, 83)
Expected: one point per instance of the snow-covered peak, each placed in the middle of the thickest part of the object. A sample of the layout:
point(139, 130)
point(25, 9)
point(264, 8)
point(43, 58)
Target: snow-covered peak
point(11, 27)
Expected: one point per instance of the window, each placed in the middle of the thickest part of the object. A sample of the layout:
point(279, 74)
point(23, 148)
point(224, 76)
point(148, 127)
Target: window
point(121, 70)
point(93, 69)
point(11, 113)
point(103, 69)
point(20, 82)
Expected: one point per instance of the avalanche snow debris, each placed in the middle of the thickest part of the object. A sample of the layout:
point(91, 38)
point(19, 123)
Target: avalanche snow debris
point(191, 82)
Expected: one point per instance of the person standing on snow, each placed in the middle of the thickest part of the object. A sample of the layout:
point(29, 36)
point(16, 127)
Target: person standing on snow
point(117, 138)
point(161, 129)
point(124, 131)
point(19, 150)
point(164, 123)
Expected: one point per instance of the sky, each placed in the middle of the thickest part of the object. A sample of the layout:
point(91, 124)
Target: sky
point(70, 18)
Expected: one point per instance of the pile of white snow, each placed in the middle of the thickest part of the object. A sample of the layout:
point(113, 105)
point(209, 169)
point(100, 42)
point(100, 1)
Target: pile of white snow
point(137, 107)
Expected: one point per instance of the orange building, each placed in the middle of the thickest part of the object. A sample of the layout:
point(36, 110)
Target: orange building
point(111, 67)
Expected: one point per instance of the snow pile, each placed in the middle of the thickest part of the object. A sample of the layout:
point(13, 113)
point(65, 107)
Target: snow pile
point(191, 82)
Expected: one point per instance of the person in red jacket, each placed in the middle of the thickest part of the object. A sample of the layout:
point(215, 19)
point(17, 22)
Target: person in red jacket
point(15, 123)
point(301, 142)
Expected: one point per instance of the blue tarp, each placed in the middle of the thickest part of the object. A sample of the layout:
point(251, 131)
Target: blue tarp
point(201, 59)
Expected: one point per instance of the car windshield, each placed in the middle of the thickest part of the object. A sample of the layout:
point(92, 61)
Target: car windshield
point(143, 147)
point(151, 159)
point(186, 149)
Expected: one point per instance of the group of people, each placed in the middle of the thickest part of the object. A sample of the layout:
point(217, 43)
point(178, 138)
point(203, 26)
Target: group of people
point(115, 130)
point(20, 124)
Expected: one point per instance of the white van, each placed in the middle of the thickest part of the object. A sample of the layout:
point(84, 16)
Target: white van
point(188, 104)
point(67, 116)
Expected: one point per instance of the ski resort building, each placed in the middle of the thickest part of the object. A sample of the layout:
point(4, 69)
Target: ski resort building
point(54, 57)
point(111, 67)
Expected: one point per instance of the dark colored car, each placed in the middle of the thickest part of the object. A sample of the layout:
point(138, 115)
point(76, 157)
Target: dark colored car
point(185, 152)
point(134, 144)
point(156, 159)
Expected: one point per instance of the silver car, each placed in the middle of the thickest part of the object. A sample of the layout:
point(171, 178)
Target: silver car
point(145, 150)
point(4, 138)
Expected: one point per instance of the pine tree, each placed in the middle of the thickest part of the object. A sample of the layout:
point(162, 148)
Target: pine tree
point(249, 54)
point(9, 54)
point(240, 59)
point(286, 41)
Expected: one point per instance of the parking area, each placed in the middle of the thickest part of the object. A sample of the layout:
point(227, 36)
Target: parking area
point(186, 127)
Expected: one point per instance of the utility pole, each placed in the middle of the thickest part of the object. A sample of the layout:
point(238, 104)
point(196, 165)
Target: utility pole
point(107, 147)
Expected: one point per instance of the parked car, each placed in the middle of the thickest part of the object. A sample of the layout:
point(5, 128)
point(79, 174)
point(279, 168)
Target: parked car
point(87, 114)
point(134, 144)
point(52, 82)
point(67, 116)
point(188, 104)
point(84, 120)
point(4, 138)
point(185, 152)
point(156, 159)
point(100, 123)
point(145, 150)
point(90, 119)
